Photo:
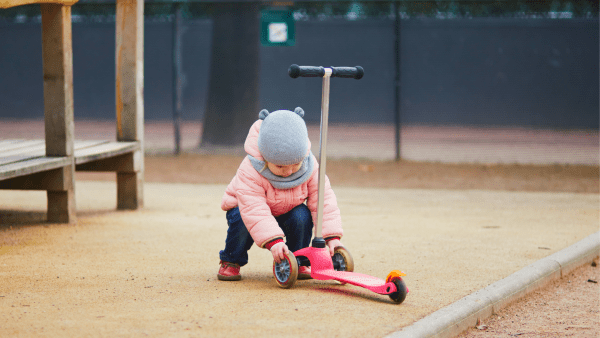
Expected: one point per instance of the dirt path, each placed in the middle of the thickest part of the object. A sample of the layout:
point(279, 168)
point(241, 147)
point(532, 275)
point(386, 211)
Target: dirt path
point(152, 271)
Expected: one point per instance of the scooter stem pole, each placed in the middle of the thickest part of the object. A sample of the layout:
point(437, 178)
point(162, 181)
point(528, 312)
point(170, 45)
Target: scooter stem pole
point(323, 151)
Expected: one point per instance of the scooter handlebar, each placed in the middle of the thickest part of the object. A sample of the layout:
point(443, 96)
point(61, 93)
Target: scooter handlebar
point(348, 72)
point(296, 71)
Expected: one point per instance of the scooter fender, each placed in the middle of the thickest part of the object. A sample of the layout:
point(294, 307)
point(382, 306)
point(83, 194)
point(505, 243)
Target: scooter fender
point(319, 260)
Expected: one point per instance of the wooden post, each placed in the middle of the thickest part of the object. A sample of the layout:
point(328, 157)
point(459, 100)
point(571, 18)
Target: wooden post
point(130, 97)
point(58, 106)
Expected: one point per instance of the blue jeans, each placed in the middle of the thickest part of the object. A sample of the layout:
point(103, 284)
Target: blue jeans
point(297, 226)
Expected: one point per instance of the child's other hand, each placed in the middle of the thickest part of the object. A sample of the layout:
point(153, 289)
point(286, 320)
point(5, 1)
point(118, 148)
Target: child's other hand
point(332, 244)
point(279, 251)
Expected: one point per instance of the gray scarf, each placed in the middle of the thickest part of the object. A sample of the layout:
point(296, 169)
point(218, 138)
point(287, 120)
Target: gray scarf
point(289, 182)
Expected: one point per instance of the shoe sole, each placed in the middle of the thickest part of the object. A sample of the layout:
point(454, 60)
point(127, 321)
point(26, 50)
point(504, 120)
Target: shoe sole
point(229, 278)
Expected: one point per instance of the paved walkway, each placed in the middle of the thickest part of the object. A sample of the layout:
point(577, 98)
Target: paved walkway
point(418, 143)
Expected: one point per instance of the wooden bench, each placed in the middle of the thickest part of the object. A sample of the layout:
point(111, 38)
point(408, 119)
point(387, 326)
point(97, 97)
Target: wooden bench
point(50, 164)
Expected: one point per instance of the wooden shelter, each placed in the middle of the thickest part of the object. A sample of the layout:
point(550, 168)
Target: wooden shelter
point(50, 164)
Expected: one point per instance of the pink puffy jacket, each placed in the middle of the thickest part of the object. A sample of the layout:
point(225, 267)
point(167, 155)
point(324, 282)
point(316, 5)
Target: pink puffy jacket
point(260, 202)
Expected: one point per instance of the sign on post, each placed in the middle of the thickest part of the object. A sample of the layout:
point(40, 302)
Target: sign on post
point(277, 28)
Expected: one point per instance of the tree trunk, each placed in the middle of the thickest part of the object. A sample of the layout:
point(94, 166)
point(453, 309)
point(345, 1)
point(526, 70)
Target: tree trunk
point(232, 102)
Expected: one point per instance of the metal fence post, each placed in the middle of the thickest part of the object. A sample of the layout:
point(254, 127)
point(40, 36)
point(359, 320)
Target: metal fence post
point(177, 76)
point(397, 88)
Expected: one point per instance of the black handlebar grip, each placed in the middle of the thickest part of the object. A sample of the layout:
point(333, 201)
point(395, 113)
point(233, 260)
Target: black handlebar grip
point(296, 71)
point(305, 71)
point(348, 72)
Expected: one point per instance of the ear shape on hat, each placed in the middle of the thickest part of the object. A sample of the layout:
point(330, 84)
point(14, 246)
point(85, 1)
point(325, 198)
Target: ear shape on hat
point(263, 114)
point(299, 111)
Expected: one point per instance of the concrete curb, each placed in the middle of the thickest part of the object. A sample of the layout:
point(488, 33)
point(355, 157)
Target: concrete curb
point(459, 316)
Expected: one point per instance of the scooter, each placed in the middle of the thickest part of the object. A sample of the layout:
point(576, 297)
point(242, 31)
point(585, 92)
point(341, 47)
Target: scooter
point(340, 267)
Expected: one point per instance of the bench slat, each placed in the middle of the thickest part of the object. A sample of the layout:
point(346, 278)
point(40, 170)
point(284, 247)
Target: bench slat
point(24, 157)
point(12, 145)
point(105, 150)
point(33, 149)
point(38, 149)
point(16, 158)
point(23, 153)
point(88, 143)
point(31, 166)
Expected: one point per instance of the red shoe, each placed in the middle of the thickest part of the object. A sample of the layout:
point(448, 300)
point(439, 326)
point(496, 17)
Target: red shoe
point(229, 271)
point(304, 272)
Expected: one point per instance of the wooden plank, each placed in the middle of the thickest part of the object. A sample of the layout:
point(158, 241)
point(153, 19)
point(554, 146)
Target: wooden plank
point(38, 150)
point(9, 141)
point(13, 146)
point(86, 150)
point(17, 158)
point(21, 150)
point(125, 163)
point(88, 143)
point(35, 150)
point(31, 166)
point(105, 150)
point(10, 145)
point(52, 180)
point(14, 3)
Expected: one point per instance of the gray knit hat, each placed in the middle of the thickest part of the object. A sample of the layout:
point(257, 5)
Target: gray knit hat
point(283, 138)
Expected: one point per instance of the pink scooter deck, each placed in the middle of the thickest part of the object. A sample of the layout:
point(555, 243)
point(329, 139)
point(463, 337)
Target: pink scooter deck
point(369, 282)
point(322, 269)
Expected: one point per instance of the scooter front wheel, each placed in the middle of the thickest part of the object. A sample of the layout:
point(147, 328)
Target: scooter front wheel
point(400, 295)
point(286, 272)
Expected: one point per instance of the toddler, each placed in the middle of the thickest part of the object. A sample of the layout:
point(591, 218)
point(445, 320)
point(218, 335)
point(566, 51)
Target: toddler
point(265, 201)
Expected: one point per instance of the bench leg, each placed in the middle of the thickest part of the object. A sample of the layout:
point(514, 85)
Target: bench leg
point(61, 202)
point(61, 207)
point(129, 84)
point(129, 191)
point(57, 55)
point(130, 184)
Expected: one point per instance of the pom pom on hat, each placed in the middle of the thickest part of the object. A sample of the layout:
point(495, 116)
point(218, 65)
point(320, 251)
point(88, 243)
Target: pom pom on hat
point(283, 138)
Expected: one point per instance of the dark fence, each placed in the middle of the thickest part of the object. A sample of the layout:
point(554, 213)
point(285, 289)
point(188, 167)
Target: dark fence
point(482, 71)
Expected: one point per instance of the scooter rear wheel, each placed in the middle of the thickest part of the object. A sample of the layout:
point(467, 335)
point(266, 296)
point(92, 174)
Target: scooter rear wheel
point(286, 272)
point(400, 295)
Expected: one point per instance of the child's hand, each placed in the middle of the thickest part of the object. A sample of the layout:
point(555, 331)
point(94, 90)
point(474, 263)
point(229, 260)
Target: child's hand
point(279, 251)
point(332, 244)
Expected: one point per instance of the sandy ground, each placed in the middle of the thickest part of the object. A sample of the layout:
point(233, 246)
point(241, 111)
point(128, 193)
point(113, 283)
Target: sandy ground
point(153, 271)
point(453, 228)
